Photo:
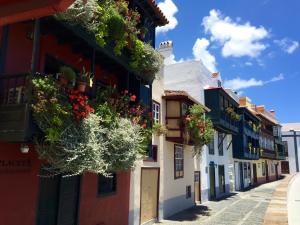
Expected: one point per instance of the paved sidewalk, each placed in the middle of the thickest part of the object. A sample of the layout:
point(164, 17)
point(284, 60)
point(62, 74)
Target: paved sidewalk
point(277, 213)
point(294, 201)
point(242, 208)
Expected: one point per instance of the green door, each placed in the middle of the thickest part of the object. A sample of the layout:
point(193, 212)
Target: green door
point(212, 180)
point(58, 199)
point(221, 178)
point(48, 199)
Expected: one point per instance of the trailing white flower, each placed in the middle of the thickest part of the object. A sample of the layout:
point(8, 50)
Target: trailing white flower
point(125, 145)
point(80, 149)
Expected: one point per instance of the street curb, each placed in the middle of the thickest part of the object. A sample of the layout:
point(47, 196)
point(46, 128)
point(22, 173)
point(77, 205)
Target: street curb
point(277, 213)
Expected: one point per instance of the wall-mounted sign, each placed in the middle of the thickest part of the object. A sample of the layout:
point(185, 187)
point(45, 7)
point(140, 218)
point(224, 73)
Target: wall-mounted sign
point(15, 165)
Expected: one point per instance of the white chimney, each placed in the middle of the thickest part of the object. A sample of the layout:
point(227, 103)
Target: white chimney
point(166, 49)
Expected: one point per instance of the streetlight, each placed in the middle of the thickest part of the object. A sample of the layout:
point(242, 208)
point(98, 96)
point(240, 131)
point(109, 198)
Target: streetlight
point(296, 149)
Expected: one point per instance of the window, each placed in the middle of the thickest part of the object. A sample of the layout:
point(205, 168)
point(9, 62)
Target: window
point(221, 102)
point(107, 185)
point(211, 147)
point(286, 148)
point(156, 111)
point(188, 193)
point(152, 153)
point(221, 137)
point(184, 108)
point(178, 161)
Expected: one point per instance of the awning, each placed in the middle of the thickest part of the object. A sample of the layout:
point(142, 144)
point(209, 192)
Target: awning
point(12, 11)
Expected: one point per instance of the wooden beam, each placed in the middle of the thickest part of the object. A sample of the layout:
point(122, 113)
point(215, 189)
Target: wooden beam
point(36, 46)
point(3, 49)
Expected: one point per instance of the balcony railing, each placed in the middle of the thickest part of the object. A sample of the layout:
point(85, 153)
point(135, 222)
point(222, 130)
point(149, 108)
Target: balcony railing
point(14, 108)
point(228, 122)
point(266, 153)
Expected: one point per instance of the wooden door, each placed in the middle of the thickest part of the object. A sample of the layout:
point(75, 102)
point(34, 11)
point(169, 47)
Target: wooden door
point(267, 171)
point(68, 200)
point(197, 186)
point(276, 171)
point(212, 180)
point(58, 200)
point(254, 173)
point(48, 199)
point(149, 194)
point(241, 175)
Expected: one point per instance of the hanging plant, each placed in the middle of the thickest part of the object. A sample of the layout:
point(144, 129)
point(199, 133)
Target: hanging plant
point(87, 136)
point(159, 129)
point(114, 23)
point(233, 115)
point(145, 59)
point(200, 129)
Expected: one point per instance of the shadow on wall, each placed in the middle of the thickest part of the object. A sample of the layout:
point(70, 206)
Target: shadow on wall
point(191, 214)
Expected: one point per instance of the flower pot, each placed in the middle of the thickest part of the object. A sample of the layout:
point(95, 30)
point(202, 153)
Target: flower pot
point(63, 81)
point(81, 86)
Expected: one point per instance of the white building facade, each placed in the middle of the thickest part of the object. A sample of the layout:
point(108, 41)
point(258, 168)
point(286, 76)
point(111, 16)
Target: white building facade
point(291, 135)
point(193, 77)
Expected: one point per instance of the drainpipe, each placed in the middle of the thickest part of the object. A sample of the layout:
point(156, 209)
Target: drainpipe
point(296, 149)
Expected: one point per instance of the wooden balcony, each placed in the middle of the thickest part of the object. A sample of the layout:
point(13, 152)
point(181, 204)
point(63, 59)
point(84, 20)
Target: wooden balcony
point(177, 104)
point(280, 149)
point(217, 99)
point(15, 116)
point(267, 154)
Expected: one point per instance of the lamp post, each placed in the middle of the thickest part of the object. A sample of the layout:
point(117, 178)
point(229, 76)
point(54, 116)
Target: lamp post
point(296, 149)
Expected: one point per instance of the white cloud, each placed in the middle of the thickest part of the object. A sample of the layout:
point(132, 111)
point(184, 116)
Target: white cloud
point(238, 83)
point(248, 63)
point(171, 60)
point(200, 52)
point(237, 39)
point(169, 9)
point(287, 45)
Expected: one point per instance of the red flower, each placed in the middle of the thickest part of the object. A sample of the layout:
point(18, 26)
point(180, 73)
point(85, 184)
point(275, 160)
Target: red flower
point(144, 126)
point(132, 98)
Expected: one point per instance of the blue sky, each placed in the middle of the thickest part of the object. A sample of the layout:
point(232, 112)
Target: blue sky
point(254, 44)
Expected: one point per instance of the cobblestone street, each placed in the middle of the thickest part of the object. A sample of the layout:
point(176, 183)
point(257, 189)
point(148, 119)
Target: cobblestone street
point(243, 208)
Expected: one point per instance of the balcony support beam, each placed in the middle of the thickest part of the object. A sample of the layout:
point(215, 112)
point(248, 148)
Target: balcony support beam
point(36, 46)
point(3, 48)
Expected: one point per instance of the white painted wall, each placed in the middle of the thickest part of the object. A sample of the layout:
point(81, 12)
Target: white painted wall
point(291, 149)
point(175, 189)
point(135, 181)
point(193, 77)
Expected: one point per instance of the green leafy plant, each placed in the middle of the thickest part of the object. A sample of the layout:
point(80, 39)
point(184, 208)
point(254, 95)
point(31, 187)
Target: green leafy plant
point(67, 73)
point(159, 129)
point(114, 23)
point(88, 136)
point(50, 108)
point(233, 115)
point(200, 129)
point(145, 59)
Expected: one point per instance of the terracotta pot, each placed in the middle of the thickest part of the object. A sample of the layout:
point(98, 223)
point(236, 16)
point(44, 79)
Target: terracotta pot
point(81, 86)
point(63, 81)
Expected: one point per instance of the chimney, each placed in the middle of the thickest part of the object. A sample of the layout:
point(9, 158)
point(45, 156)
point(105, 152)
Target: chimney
point(166, 50)
point(245, 101)
point(260, 108)
point(272, 111)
